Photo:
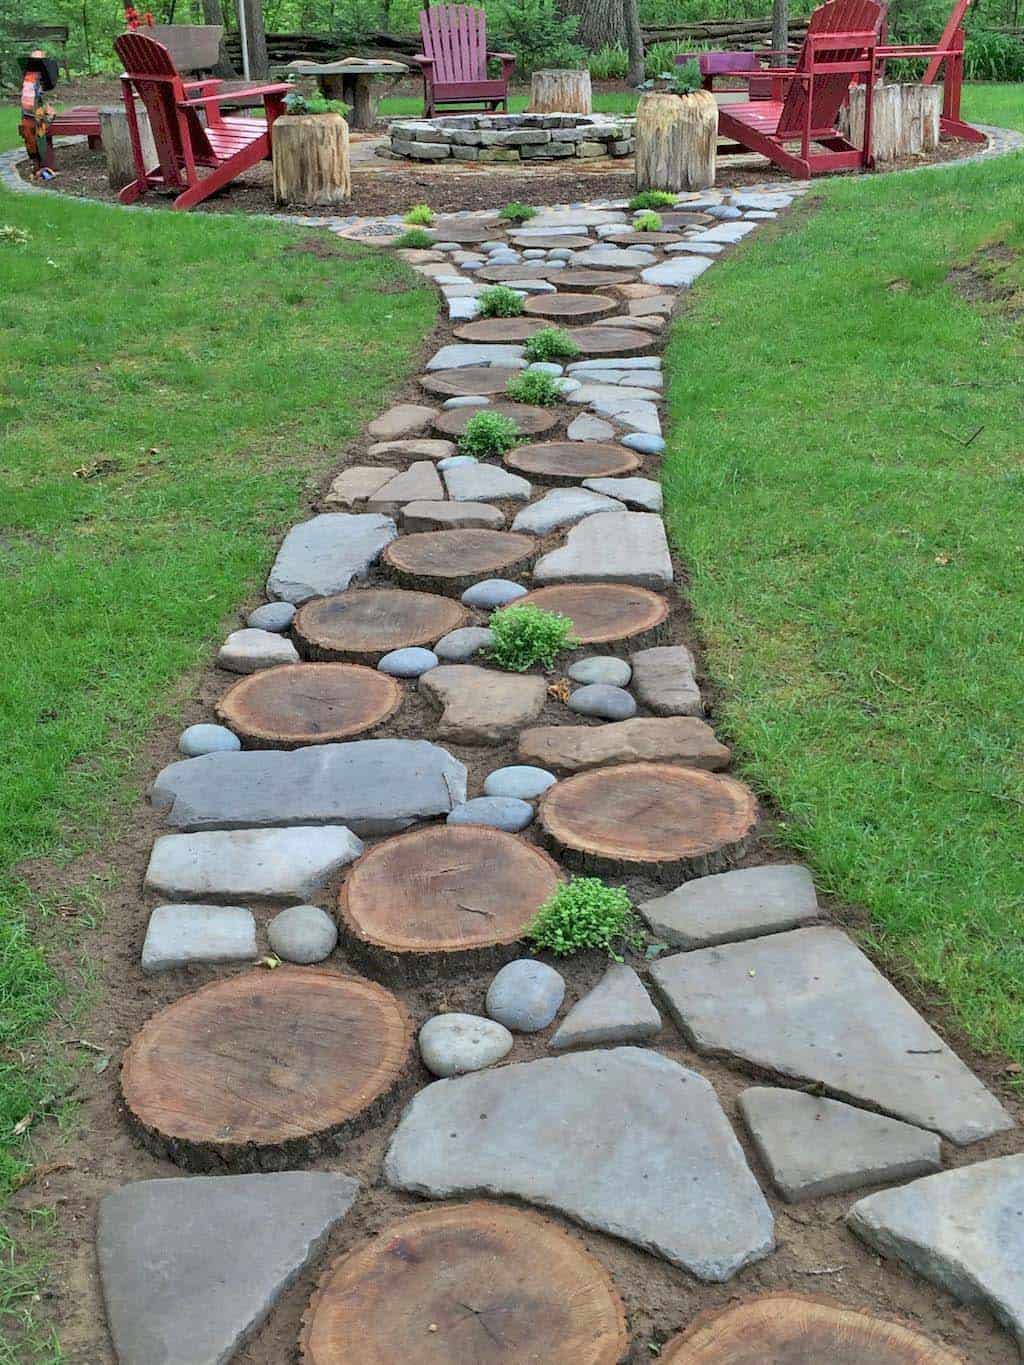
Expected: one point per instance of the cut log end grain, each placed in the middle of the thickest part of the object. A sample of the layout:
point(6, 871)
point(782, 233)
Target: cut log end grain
point(466, 1284)
point(366, 623)
point(265, 1070)
point(569, 462)
point(578, 307)
point(603, 613)
point(478, 380)
point(529, 420)
point(451, 561)
point(317, 703)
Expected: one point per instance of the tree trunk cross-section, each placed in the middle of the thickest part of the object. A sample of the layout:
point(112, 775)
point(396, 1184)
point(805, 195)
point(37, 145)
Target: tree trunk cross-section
point(603, 613)
point(298, 704)
point(265, 1070)
point(451, 561)
point(466, 1284)
point(585, 279)
point(792, 1330)
point(579, 306)
point(311, 164)
point(443, 899)
point(668, 820)
point(479, 380)
point(560, 92)
point(531, 421)
point(366, 623)
point(619, 341)
point(568, 462)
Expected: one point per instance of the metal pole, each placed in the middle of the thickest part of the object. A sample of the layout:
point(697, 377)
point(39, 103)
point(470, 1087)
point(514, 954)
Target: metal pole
point(243, 34)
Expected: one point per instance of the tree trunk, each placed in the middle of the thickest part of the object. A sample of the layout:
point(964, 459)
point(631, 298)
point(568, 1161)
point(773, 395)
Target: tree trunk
point(904, 120)
point(311, 163)
point(676, 140)
point(117, 144)
point(922, 110)
point(255, 40)
point(780, 28)
point(212, 15)
point(634, 41)
point(601, 22)
point(560, 92)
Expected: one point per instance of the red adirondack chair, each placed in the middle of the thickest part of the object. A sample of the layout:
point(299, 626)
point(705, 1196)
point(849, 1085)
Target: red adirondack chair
point(454, 60)
point(228, 146)
point(841, 44)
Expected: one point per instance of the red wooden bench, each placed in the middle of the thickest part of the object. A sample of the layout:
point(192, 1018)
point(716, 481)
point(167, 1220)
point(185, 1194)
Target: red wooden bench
point(454, 60)
point(83, 121)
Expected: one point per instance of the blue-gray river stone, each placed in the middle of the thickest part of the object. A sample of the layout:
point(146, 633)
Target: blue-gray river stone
point(525, 995)
point(271, 616)
point(207, 739)
point(491, 593)
point(521, 780)
point(497, 812)
point(598, 699)
point(409, 662)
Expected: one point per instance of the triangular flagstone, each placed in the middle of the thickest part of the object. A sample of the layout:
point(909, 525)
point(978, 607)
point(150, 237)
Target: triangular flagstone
point(617, 1010)
point(190, 1268)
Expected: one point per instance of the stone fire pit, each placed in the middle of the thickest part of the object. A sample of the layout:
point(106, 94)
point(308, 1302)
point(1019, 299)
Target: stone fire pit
point(511, 137)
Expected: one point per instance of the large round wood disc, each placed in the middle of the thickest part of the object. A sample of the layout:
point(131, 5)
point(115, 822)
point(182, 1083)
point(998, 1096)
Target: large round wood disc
point(470, 379)
point(500, 330)
point(531, 421)
point(563, 462)
point(443, 898)
point(259, 1071)
point(551, 243)
point(580, 277)
point(467, 233)
point(366, 623)
point(628, 239)
point(518, 270)
point(466, 1284)
point(578, 307)
point(298, 704)
point(788, 1329)
point(451, 561)
point(655, 816)
point(624, 340)
point(603, 612)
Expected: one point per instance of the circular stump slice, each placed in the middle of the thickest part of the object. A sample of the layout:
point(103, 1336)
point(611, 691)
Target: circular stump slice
point(451, 561)
point(501, 330)
point(259, 1072)
point(617, 341)
point(441, 899)
point(523, 270)
point(580, 277)
point(580, 307)
point(531, 421)
point(562, 462)
point(656, 816)
point(602, 613)
point(367, 623)
point(466, 1284)
point(470, 379)
point(550, 243)
point(298, 704)
point(793, 1330)
point(645, 238)
point(467, 234)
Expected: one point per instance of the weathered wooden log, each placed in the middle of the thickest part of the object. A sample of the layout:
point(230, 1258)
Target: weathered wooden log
point(560, 92)
point(117, 144)
point(676, 138)
point(311, 164)
point(904, 120)
point(922, 110)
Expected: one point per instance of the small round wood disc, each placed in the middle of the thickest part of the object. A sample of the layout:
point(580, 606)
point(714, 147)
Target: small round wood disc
point(366, 623)
point(450, 561)
point(644, 238)
point(602, 612)
point(298, 704)
point(550, 243)
point(624, 340)
point(467, 233)
point(443, 897)
point(531, 421)
point(788, 1329)
point(466, 1284)
point(470, 379)
point(580, 277)
point(255, 1072)
point(571, 461)
point(580, 307)
point(500, 330)
point(518, 270)
point(649, 815)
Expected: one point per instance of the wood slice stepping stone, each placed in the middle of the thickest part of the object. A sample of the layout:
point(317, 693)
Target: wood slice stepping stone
point(299, 704)
point(365, 624)
point(469, 1284)
point(580, 307)
point(467, 234)
point(531, 421)
point(441, 899)
point(569, 462)
point(451, 561)
point(789, 1329)
point(604, 612)
point(668, 820)
point(628, 238)
point(469, 379)
point(586, 279)
point(499, 330)
point(263, 1070)
point(521, 270)
point(550, 243)
point(612, 340)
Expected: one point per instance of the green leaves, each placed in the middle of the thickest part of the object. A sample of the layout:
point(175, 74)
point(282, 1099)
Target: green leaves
point(517, 212)
point(585, 913)
point(525, 635)
point(551, 343)
point(416, 237)
point(421, 215)
point(488, 433)
point(534, 386)
point(500, 302)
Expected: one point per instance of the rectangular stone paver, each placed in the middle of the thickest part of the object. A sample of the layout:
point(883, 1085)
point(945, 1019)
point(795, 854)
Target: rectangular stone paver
point(664, 679)
point(178, 935)
point(250, 864)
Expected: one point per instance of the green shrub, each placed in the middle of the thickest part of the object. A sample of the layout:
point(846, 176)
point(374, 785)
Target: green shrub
point(499, 302)
point(534, 386)
point(609, 64)
point(421, 214)
point(551, 343)
point(517, 212)
point(647, 222)
point(661, 57)
point(296, 102)
point(416, 237)
point(686, 79)
point(538, 34)
point(525, 635)
point(585, 913)
point(488, 433)
point(653, 199)
point(992, 56)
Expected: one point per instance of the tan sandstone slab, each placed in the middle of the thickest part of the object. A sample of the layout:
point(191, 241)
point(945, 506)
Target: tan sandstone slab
point(574, 748)
point(441, 516)
point(357, 484)
point(405, 419)
point(421, 448)
point(664, 679)
point(481, 705)
point(419, 483)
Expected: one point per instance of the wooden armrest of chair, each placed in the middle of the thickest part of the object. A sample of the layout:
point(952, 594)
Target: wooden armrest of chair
point(206, 82)
point(503, 56)
point(423, 61)
point(262, 90)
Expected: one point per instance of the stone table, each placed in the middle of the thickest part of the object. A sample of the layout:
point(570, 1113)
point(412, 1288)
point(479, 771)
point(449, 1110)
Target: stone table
point(351, 80)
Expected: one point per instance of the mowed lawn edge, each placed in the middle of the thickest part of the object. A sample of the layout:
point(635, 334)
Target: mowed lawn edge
point(845, 479)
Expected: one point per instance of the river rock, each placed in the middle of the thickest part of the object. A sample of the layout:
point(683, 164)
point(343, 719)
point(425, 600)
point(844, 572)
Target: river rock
point(491, 593)
point(496, 812)
point(525, 995)
point(409, 662)
point(276, 616)
point(520, 780)
point(459, 645)
point(247, 651)
point(452, 1044)
point(607, 703)
point(601, 668)
point(207, 739)
point(302, 933)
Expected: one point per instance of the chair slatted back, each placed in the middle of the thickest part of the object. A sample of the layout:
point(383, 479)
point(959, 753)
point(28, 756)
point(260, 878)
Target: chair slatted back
point(152, 72)
point(455, 36)
point(830, 90)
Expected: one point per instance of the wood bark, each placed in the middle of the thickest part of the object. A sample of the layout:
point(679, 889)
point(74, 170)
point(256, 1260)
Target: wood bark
point(634, 41)
point(568, 462)
point(356, 89)
point(601, 22)
point(606, 613)
point(256, 40)
point(117, 144)
point(451, 561)
point(364, 624)
point(560, 92)
point(780, 28)
point(676, 140)
point(212, 14)
point(311, 163)
point(904, 120)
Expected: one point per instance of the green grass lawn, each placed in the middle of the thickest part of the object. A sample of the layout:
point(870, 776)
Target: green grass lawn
point(846, 481)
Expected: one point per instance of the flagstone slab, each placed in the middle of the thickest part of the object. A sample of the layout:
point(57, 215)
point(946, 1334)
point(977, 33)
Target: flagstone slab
point(663, 1169)
point(372, 786)
point(617, 1010)
point(665, 681)
point(589, 428)
point(962, 1230)
point(726, 233)
point(574, 748)
point(810, 1006)
point(485, 483)
point(622, 547)
point(729, 906)
point(562, 507)
point(324, 554)
point(180, 935)
point(677, 273)
point(482, 705)
point(444, 516)
point(640, 495)
point(250, 864)
point(405, 419)
point(814, 1147)
point(190, 1268)
point(422, 448)
point(455, 357)
point(357, 484)
point(419, 483)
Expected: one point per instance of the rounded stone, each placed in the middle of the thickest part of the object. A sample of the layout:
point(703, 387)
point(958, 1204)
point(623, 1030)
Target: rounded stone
point(567, 386)
point(207, 739)
point(276, 616)
point(459, 645)
point(497, 812)
point(409, 662)
point(601, 668)
point(494, 246)
point(491, 593)
point(455, 461)
point(598, 699)
point(546, 367)
point(520, 780)
point(525, 995)
point(452, 1044)
point(533, 253)
point(467, 400)
point(502, 258)
point(560, 253)
point(724, 212)
point(644, 443)
point(302, 933)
